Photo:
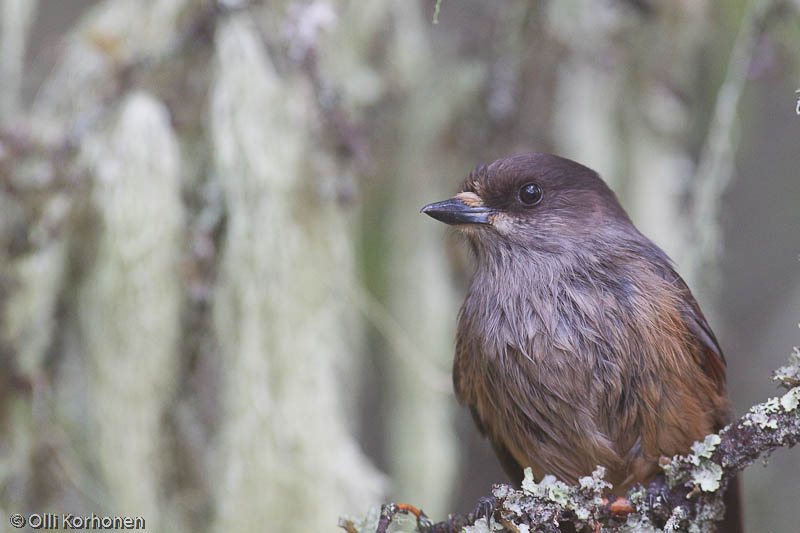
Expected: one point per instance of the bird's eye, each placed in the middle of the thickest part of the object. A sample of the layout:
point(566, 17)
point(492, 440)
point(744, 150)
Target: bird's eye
point(530, 194)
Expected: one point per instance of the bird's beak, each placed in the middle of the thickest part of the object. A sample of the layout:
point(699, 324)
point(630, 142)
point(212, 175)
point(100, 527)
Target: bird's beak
point(456, 211)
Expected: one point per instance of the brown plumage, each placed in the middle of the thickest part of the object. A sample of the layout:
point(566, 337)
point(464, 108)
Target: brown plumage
point(578, 344)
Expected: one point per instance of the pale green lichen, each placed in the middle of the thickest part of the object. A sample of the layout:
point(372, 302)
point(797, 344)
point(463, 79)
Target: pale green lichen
point(703, 450)
point(674, 522)
point(707, 515)
point(637, 523)
point(549, 488)
point(637, 496)
point(528, 482)
point(669, 471)
point(760, 414)
point(791, 400)
point(512, 499)
point(761, 419)
point(707, 476)
point(791, 372)
point(481, 526)
point(581, 500)
point(582, 513)
point(771, 405)
point(596, 482)
point(368, 523)
point(558, 492)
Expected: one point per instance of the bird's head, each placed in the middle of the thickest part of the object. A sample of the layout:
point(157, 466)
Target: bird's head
point(537, 202)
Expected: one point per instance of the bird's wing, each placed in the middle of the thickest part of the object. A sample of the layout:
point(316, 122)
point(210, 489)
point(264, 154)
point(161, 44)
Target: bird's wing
point(712, 360)
point(511, 467)
point(465, 394)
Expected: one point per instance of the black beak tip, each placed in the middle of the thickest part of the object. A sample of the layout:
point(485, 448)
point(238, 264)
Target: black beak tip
point(434, 210)
point(455, 212)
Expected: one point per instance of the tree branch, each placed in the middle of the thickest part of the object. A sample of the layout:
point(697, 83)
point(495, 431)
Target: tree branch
point(687, 498)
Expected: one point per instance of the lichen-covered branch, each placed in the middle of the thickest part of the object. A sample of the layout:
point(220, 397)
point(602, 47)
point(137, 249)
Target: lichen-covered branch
point(687, 498)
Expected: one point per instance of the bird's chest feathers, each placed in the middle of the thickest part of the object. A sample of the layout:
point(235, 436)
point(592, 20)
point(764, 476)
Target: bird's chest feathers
point(562, 319)
point(540, 334)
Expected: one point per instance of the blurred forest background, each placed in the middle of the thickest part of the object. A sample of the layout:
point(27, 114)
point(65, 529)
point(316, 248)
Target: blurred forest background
point(221, 309)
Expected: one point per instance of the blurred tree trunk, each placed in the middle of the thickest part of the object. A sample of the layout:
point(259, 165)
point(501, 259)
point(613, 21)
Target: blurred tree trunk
point(29, 284)
point(129, 304)
point(420, 291)
point(15, 21)
point(281, 316)
point(101, 406)
point(286, 338)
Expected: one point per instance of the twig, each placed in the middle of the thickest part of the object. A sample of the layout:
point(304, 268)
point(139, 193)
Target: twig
point(715, 166)
point(436, 10)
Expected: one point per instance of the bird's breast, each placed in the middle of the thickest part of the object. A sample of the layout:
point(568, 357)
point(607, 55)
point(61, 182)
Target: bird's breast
point(584, 371)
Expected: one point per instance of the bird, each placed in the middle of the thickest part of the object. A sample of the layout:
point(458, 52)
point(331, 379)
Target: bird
point(577, 344)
